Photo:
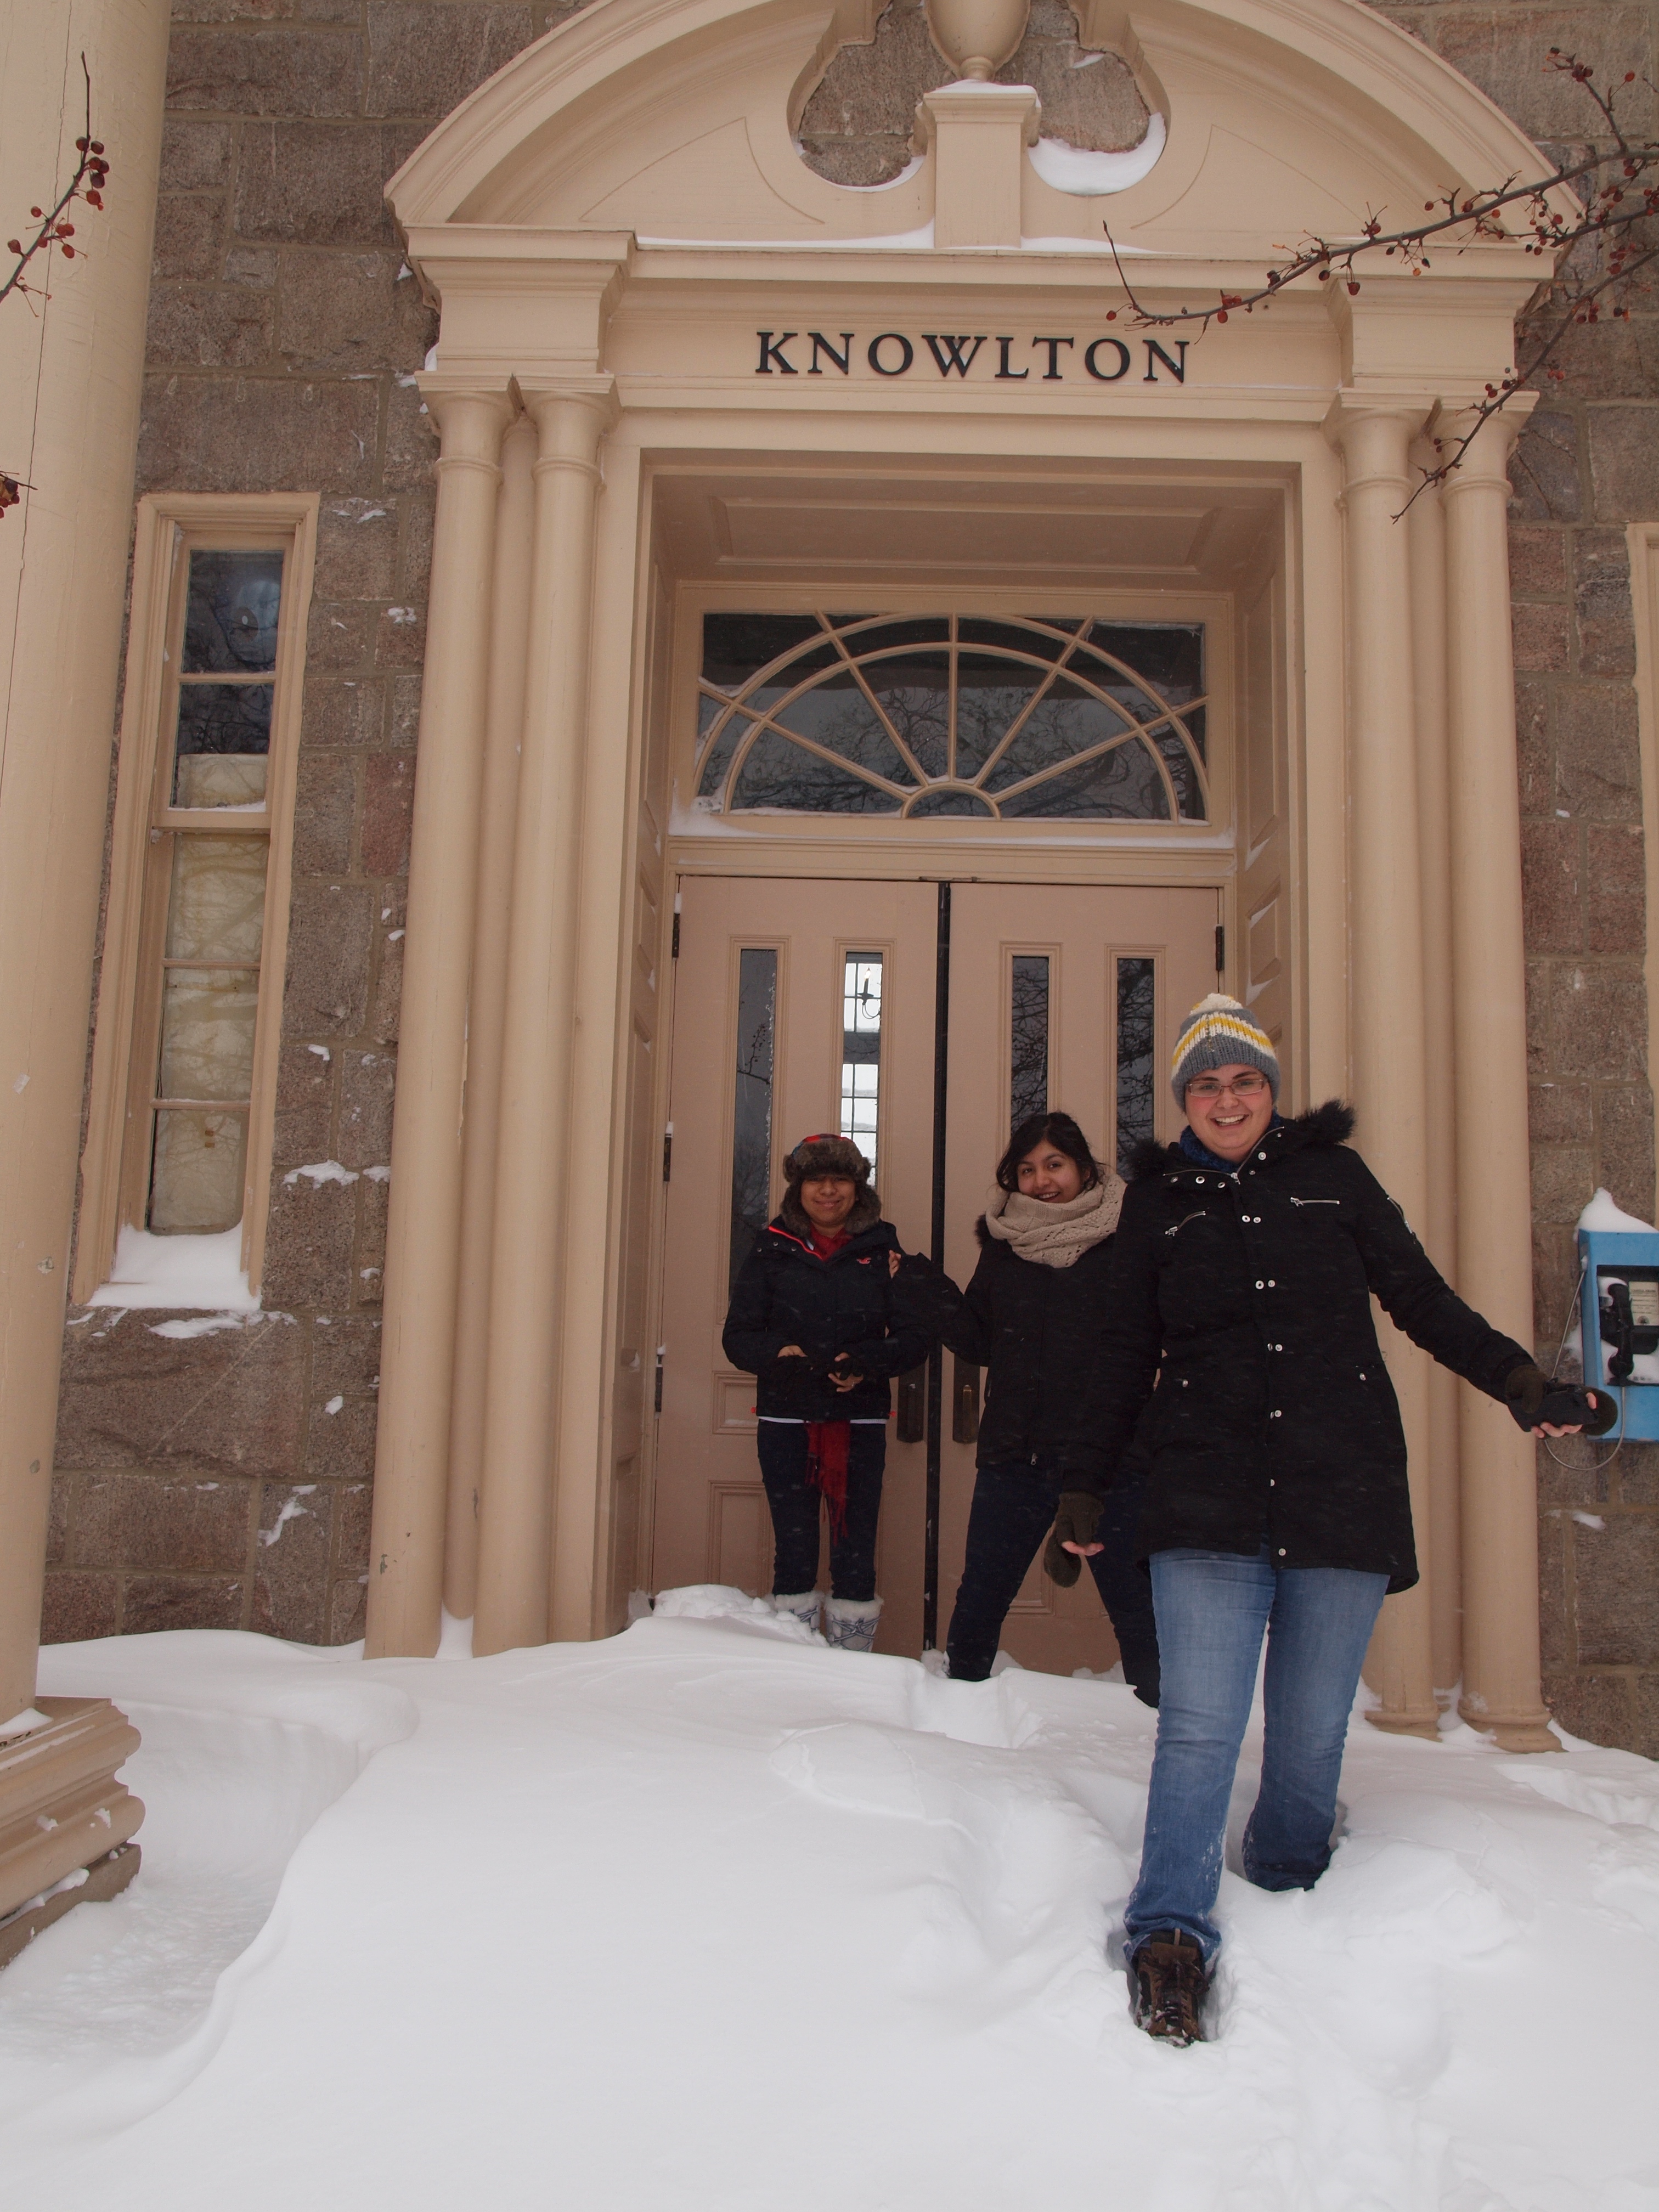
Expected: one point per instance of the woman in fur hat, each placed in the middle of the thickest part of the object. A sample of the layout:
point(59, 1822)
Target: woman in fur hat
point(1239, 1359)
point(814, 1319)
point(1032, 1318)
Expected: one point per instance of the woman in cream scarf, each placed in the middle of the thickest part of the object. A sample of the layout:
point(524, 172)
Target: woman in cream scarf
point(1030, 1317)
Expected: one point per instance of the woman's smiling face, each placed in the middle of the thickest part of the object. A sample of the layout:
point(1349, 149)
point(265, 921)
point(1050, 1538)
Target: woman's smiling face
point(1050, 1174)
point(1229, 1108)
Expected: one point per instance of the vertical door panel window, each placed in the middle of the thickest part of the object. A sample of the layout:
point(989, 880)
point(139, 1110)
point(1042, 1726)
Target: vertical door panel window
point(1035, 717)
point(752, 1119)
point(1027, 1042)
point(1136, 1004)
point(860, 1051)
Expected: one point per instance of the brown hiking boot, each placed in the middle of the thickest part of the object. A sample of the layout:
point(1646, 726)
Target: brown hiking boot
point(1169, 1985)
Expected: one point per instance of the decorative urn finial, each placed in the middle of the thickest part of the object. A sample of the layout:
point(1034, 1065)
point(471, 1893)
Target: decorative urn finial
point(977, 36)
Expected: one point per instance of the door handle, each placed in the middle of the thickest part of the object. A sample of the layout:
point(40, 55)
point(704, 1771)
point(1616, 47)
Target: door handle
point(912, 1426)
point(964, 1401)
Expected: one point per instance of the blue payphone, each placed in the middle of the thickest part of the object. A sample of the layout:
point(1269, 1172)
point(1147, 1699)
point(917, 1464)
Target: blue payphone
point(1619, 1316)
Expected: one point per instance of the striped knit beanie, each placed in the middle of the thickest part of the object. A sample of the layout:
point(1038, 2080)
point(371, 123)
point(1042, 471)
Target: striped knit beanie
point(1218, 1033)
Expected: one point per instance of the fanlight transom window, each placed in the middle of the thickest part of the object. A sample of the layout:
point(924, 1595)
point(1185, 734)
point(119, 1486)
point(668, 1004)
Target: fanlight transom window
point(1023, 718)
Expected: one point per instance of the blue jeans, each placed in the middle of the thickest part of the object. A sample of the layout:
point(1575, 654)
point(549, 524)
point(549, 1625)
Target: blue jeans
point(1212, 1608)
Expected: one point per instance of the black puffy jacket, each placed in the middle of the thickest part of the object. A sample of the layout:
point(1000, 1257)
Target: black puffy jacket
point(785, 1294)
point(1036, 1330)
point(1247, 1296)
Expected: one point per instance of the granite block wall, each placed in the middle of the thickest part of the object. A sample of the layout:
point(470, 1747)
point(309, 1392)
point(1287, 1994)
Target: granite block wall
point(219, 1477)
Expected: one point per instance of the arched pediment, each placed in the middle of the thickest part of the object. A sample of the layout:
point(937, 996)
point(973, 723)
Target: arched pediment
point(672, 119)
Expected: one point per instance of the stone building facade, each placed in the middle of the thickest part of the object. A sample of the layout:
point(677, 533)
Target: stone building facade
point(221, 1476)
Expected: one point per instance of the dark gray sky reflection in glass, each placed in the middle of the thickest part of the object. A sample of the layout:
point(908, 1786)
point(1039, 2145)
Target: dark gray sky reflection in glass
point(1027, 1058)
point(1136, 994)
point(1030, 717)
point(752, 1119)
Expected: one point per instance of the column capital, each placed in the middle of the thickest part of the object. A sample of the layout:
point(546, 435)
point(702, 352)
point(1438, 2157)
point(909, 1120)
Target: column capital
point(472, 418)
point(1352, 412)
point(1487, 459)
point(1373, 432)
point(571, 414)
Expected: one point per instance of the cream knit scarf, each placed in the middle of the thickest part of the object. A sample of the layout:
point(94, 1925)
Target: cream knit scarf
point(1055, 1235)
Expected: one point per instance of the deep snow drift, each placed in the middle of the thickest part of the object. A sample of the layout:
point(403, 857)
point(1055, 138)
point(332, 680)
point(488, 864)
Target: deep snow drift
point(708, 1916)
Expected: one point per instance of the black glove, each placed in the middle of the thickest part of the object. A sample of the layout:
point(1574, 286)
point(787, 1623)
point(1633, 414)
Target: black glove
point(1536, 1402)
point(1075, 1522)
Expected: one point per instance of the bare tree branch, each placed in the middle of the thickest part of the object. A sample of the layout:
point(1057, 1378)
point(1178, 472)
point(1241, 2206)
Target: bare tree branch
point(1596, 258)
point(54, 234)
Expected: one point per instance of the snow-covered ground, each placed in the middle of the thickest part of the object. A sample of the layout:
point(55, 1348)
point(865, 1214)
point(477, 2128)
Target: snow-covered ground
point(708, 1918)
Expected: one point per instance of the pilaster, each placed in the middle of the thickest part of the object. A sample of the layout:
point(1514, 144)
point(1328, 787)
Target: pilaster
point(515, 1504)
point(1501, 1688)
point(423, 1228)
point(1373, 432)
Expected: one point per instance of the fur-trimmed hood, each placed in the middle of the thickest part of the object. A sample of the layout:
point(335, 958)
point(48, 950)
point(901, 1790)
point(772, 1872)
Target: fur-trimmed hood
point(1319, 1130)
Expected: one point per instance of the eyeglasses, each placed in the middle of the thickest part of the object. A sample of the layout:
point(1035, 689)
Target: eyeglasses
point(1241, 1086)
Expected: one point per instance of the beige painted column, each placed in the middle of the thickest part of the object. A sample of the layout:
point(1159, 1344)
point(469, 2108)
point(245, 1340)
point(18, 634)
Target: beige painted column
point(486, 1019)
point(516, 1499)
point(1426, 526)
point(71, 372)
point(1501, 1689)
point(1386, 958)
point(411, 1445)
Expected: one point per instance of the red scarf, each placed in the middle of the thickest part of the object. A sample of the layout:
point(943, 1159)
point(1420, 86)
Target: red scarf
point(828, 1442)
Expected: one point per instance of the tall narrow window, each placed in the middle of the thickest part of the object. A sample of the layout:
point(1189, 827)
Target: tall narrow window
point(1028, 1053)
point(210, 802)
point(185, 1056)
point(860, 1051)
point(752, 1119)
point(1136, 996)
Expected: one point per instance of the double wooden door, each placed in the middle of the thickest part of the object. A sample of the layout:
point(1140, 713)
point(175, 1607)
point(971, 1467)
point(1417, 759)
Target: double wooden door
point(809, 1005)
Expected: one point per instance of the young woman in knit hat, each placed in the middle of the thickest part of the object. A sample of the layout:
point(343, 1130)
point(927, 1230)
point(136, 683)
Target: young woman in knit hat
point(1030, 1318)
point(814, 1319)
point(1245, 1261)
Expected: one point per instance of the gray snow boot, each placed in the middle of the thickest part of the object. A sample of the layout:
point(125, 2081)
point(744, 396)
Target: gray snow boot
point(849, 1623)
point(803, 1606)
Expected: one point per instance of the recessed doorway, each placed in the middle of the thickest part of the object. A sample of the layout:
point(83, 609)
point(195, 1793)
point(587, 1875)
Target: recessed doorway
point(804, 1004)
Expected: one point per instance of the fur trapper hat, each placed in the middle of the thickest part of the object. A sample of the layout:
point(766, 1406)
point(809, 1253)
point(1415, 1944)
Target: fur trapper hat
point(826, 1154)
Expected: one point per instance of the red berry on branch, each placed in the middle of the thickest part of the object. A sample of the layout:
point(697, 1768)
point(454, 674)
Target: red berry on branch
point(34, 210)
point(97, 145)
point(66, 230)
point(13, 245)
point(94, 199)
point(68, 253)
point(81, 145)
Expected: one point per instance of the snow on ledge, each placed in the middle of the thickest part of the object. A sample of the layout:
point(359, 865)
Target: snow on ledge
point(1601, 1216)
point(185, 1271)
point(1091, 175)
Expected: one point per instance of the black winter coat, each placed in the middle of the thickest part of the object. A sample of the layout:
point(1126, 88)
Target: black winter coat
point(1034, 1329)
point(785, 1294)
point(1247, 1297)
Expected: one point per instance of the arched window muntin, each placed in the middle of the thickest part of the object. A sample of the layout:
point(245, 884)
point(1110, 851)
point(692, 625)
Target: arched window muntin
point(733, 719)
